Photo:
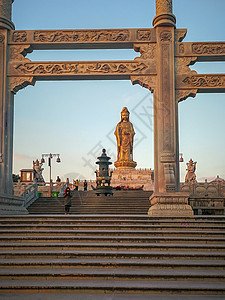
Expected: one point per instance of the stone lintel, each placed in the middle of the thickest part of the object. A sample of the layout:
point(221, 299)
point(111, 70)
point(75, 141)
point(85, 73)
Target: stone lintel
point(205, 51)
point(170, 204)
point(80, 70)
point(83, 39)
point(204, 83)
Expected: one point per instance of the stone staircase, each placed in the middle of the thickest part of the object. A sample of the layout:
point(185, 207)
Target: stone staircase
point(112, 257)
point(128, 202)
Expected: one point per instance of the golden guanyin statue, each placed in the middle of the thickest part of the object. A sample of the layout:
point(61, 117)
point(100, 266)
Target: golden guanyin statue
point(125, 137)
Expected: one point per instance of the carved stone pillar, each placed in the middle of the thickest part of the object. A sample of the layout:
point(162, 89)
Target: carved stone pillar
point(6, 102)
point(166, 199)
point(6, 119)
point(6, 14)
point(166, 154)
point(164, 15)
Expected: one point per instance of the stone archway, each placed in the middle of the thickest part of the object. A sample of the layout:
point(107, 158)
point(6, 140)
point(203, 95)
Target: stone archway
point(162, 68)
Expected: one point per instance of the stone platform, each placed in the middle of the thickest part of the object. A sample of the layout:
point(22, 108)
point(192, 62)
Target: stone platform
point(133, 178)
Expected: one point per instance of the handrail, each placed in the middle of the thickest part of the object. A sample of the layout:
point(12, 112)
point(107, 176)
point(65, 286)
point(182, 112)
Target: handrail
point(64, 186)
point(30, 194)
point(204, 189)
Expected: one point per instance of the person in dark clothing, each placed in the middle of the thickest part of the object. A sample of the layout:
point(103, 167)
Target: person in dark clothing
point(67, 200)
point(58, 180)
point(85, 185)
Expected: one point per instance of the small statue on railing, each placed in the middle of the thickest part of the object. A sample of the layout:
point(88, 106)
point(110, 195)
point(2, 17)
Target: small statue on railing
point(37, 170)
point(191, 167)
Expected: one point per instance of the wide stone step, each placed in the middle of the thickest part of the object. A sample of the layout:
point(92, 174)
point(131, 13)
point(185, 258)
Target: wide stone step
point(112, 227)
point(110, 246)
point(92, 220)
point(113, 239)
point(171, 263)
point(110, 274)
point(120, 217)
point(160, 254)
point(102, 232)
point(159, 286)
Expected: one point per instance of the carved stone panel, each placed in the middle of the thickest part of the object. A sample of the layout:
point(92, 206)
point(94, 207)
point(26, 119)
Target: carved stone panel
point(182, 64)
point(148, 51)
point(202, 82)
point(76, 68)
point(115, 38)
point(148, 82)
point(204, 51)
point(19, 51)
point(182, 95)
point(18, 83)
point(81, 36)
point(209, 81)
point(208, 48)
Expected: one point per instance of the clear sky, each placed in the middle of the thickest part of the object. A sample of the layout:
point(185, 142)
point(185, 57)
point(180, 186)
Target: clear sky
point(78, 118)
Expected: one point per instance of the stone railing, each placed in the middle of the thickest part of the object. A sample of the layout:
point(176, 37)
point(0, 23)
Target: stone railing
point(206, 198)
point(63, 187)
point(30, 194)
point(204, 189)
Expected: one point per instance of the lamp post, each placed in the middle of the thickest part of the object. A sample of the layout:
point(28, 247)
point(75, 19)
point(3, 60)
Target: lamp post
point(50, 156)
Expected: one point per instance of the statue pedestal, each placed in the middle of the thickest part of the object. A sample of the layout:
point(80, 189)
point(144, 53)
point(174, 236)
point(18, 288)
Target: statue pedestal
point(170, 204)
point(134, 178)
point(125, 164)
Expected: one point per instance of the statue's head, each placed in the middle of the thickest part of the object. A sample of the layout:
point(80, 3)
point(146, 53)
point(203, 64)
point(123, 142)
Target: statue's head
point(125, 114)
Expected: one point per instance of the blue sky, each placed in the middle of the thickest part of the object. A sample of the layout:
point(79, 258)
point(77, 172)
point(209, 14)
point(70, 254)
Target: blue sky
point(78, 118)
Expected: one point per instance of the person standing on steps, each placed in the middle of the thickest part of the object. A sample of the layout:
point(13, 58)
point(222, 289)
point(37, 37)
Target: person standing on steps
point(76, 184)
point(67, 200)
point(85, 185)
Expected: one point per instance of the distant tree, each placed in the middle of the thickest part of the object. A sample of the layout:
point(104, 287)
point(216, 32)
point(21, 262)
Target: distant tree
point(16, 177)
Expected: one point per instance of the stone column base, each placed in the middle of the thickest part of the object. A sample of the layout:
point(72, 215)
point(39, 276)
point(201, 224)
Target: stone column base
point(12, 205)
point(170, 204)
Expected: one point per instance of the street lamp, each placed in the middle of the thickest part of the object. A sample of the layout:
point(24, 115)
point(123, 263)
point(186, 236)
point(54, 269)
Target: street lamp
point(50, 156)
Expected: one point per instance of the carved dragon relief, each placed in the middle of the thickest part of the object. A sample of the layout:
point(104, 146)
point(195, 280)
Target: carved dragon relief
point(182, 64)
point(19, 36)
point(144, 35)
point(208, 48)
point(81, 36)
point(148, 51)
point(165, 36)
point(148, 54)
point(80, 68)
point(182, 67)
point(18, 52)
point(208, 81)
